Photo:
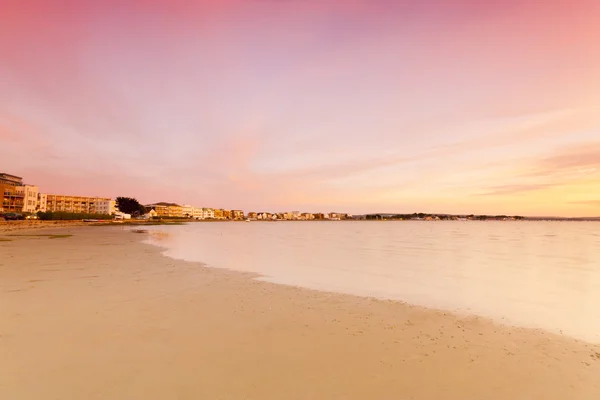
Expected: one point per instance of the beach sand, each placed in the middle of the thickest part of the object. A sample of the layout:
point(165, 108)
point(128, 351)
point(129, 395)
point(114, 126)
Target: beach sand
point(100, 315)
point(11, 226)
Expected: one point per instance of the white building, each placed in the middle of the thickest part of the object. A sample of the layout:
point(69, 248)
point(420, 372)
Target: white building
point(150, 214)
point(30, 199)
point(187, 210)
point(333, 216)
point(41, 201)
point(208, 213)
point(108, 207)
point(197, 213)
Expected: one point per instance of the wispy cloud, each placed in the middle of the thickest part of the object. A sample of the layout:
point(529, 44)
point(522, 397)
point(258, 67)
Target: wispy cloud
point(595, 203)
point(513, 189)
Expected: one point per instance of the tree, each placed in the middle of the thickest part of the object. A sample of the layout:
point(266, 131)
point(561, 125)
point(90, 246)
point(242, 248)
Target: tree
point(129, 205)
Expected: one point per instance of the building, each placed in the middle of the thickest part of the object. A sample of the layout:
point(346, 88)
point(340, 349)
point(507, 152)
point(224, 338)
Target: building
point(264, 215)
point(12, 197)
point(218, 213)
point(252, 215)
point(42, 202)
point(227, 214)
point(334, 216)
point(106, 206)
point(166, 210)
point(197, 213)
point(208, 213)
point(30, 198)
point(10, 180)
point(237, 214)
point(16, 196)
point(187, 210)
point(150, 214)
point(77, 204)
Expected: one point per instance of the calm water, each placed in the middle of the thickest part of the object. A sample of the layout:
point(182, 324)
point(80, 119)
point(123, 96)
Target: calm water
point(535, 274)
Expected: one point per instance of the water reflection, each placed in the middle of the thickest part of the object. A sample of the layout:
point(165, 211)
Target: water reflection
point(539, 274)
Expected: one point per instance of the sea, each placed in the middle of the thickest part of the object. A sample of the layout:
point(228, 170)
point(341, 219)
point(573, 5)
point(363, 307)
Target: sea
point(538, 274)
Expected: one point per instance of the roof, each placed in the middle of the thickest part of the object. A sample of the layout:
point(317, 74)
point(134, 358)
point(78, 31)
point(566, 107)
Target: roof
point(9, 175)
point(162, 203)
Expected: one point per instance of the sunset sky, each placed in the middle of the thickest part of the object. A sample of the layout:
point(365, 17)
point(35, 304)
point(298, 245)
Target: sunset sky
point(488, 107)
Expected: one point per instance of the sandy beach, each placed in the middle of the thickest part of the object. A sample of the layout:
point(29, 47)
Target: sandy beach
point(100, 315)
point(11, 226)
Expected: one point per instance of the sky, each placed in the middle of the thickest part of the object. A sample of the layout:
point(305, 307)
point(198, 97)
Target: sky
point(271, 105)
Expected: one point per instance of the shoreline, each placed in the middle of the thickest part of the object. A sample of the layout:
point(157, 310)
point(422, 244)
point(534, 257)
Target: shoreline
point(145, 325)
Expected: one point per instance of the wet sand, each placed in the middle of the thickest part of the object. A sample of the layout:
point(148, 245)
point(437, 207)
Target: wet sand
point(101, 315)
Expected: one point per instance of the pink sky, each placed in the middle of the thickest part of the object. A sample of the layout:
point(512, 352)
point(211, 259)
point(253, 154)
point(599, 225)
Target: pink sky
point(357, 106)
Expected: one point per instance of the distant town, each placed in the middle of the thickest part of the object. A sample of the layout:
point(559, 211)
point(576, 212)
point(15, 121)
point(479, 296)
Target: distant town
point(27, 201)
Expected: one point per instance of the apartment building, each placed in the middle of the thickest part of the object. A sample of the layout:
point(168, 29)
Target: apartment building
point(12, 197)
point(16, 196)
point(187, 210)
point(237, 214)
point(42, 202)
point(218, 213)
point(166, 210)
point(30, 198)
point(197, 213)
point(10, 180)
point(106, 206)
point(208, 213)
point(78, 204)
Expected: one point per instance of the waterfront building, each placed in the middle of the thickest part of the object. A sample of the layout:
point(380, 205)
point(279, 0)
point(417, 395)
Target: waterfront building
point(30, 198)
point(208, 213)
point(166, 210)
point(106, 206)
point(77, 204)
point(150, 214)
point(197, 213)
point(237, 214)
point(187, 210)
point(42, 202)
point(12, 197)
point(218, 213)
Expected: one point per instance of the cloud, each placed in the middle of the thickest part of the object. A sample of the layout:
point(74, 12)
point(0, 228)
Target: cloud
point(595, 203)
point(567, 163)
point(513, 189)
